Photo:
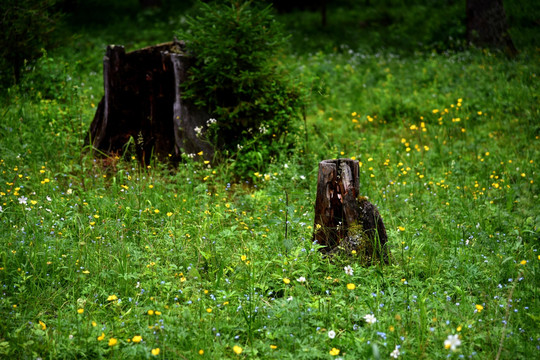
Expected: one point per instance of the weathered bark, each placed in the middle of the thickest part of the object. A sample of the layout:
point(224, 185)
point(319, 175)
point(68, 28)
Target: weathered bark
point(343, 219)
point(143, 106)
point(487, 26)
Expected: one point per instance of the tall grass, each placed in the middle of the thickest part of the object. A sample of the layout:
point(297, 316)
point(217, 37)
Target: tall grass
point(108, 259)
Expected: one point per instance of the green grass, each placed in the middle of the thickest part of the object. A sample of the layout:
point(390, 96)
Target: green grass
point(193, 263)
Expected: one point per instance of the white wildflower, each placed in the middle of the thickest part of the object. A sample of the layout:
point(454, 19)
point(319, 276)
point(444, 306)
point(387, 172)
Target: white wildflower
point(452, 342)
point(395, 353)
point(370, 319)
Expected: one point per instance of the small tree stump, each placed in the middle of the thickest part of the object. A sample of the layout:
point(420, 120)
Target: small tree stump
point(143, 106)
point(343, 219)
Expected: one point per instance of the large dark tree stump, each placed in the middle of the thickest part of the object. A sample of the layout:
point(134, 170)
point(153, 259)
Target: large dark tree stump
point(143, 106)
point(345, 221)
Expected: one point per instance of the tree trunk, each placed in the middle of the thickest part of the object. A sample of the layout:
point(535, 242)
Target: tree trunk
point(487, 26)
point(142, 107)
point(343, 220)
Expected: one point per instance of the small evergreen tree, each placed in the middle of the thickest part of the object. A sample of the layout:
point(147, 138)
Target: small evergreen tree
point(235, 78)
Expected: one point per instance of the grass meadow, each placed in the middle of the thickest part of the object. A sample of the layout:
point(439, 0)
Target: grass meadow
point(111, 259)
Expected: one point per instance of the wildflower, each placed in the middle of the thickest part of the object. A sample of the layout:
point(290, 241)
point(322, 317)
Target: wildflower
point(209, 310)
point(155, 351)
point(101, 337)
point(22, 200)
point(273, 347)
point(150, 312)
point(112, 298)
point(43, 326)
point(452, 342)
point(137, 339)
point(479, 308)
point(113, 341)
point(286, 281)
point(201, 352)
point(237, 349)
point(351, 286)
point(80, 311)
point(301, 279)
point(331, 334)
point(370, 319)
point(523, 262)
point(395, 353)
point(169, 214)
point(348, 270)
point(401, 228)
point(243, 257)
point(334, 352)
point(94, 324)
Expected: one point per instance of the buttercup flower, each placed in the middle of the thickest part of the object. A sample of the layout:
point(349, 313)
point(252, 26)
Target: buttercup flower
point(237, 349)
point(155, 351)
point(113, 341)
point(137, 339)
point(334, 352)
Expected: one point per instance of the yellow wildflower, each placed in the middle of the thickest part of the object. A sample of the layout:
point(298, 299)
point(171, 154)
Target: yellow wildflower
point(137, 339)
point(334, 352)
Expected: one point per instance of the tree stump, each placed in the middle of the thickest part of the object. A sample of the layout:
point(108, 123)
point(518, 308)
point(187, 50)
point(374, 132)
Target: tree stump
point(345, 221)
point(143, 105)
